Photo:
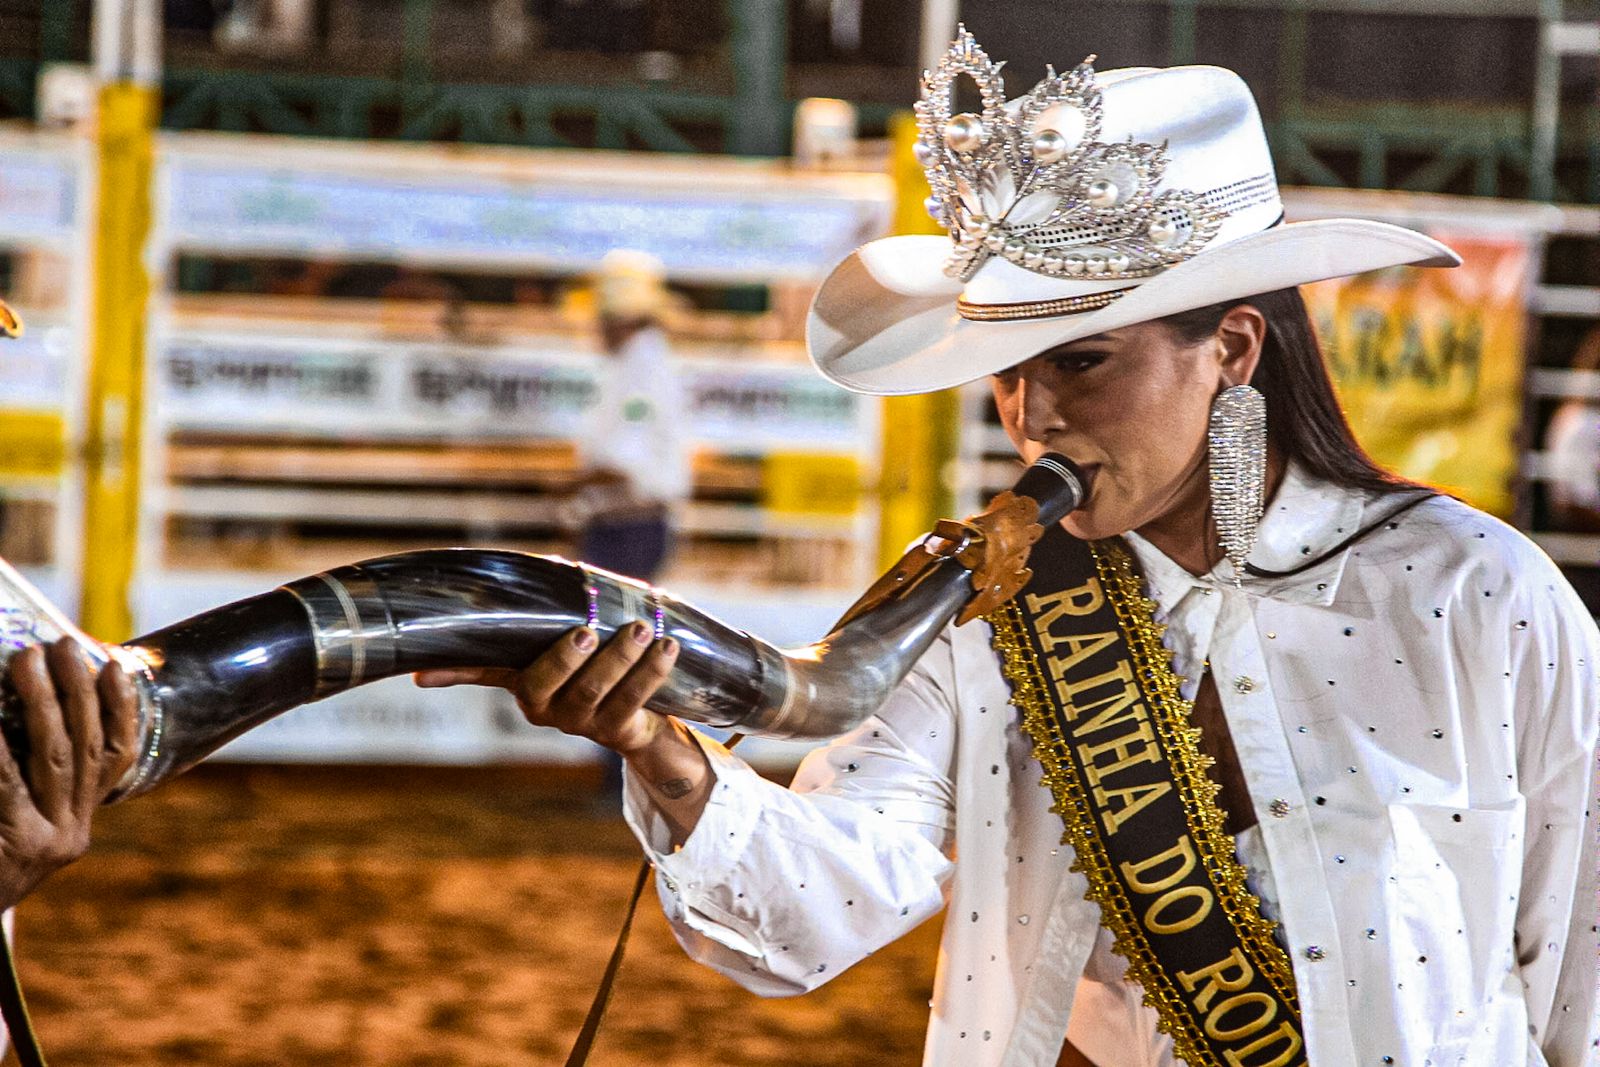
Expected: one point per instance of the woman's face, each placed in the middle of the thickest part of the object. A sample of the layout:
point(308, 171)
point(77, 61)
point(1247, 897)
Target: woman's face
point(1129, 406)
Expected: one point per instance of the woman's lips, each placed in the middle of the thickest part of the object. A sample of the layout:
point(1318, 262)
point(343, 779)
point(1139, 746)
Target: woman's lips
point(1090, 470)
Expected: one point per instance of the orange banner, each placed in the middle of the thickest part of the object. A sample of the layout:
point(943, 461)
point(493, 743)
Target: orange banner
point(1428, 365)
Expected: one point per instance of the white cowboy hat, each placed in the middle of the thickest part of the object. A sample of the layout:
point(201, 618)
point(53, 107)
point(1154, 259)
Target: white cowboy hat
point(1090, 203)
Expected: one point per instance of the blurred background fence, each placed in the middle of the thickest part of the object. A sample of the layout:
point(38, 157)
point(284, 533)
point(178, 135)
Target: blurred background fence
point(1430, 95)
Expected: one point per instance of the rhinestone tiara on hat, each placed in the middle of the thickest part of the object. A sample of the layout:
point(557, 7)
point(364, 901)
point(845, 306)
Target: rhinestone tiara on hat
point(1030, 181)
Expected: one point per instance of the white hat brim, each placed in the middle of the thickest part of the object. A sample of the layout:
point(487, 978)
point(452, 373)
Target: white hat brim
point(885, 320)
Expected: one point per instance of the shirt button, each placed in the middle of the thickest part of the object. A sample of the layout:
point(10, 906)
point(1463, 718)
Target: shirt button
point(1314, 953)
point(1279, 808)
point(1244, 684)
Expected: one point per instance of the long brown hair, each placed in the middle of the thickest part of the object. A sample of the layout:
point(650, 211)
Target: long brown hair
point(1304, 420)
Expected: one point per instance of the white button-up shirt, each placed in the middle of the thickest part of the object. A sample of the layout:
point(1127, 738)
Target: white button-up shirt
point(1416, 721)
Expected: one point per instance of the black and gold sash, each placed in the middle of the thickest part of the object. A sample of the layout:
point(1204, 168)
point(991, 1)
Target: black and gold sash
point(1083, 653)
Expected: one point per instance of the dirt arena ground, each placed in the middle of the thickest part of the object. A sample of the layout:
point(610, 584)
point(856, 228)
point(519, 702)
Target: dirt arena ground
point(247, 917)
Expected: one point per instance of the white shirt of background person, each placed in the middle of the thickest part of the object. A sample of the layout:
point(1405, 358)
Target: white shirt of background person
point(639, 420)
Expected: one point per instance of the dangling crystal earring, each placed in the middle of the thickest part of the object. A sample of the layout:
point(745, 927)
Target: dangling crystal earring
point(1238, 440)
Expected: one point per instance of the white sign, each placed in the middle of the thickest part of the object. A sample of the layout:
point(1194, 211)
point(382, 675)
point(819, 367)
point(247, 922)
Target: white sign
point(37, 368)
point(38, 195)
point(216, 206)
point(239, 383)
point(752, 407)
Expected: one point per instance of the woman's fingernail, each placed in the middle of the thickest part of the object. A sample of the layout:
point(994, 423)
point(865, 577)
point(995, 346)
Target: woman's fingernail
point(584, 640)
point(669, 647)
point(641, 634)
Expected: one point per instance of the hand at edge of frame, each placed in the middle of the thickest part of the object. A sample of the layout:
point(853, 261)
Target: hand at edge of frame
point(81, 727)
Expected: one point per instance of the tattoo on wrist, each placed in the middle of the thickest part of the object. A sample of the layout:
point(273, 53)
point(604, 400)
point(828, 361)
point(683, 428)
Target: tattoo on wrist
point(676, 789)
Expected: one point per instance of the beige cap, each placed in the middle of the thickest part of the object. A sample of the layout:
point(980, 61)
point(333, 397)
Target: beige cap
point(631, 285)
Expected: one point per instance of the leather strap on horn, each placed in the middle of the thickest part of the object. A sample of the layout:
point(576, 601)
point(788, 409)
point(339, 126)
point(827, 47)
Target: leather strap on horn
point(993, 545)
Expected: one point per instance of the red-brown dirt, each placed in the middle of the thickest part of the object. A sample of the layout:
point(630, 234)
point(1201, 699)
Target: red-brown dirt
point(246, 917)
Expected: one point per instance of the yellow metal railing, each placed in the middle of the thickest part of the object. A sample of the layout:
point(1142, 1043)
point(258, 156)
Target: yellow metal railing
point(115, 414)
point(919, 432)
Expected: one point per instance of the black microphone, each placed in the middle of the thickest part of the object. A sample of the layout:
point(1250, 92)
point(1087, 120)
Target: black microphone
point(1056, 483)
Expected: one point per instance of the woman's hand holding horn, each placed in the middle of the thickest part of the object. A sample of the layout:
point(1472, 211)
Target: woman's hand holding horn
point(599, 693)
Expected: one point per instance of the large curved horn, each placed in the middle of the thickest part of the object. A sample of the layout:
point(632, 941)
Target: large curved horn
point(208, 679)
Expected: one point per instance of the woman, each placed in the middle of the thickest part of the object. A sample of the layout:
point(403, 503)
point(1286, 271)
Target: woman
point(1398, 864)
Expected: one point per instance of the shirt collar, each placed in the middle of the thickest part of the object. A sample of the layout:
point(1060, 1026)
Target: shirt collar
point(1306, 517)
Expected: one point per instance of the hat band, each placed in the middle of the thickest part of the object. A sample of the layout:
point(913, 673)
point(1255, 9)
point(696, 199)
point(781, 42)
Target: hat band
point(1039, 309)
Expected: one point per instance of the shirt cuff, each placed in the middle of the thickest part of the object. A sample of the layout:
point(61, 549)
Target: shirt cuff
point(718, 839)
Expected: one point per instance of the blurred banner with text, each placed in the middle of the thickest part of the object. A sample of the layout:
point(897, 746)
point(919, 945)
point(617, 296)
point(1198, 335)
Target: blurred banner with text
point(1428, 364)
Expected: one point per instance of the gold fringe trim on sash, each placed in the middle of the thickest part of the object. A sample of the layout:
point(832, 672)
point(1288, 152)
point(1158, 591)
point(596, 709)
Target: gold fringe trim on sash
point(1171, 715)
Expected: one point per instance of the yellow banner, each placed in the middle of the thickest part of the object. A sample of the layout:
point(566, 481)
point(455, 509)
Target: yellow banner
point(1428, 365)
point(803, 483)
point(33, 443)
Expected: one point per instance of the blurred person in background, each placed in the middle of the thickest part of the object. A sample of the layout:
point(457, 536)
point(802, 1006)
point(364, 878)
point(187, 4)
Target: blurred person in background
point(1323, 741)
point(1572, 449)
point(636, 475)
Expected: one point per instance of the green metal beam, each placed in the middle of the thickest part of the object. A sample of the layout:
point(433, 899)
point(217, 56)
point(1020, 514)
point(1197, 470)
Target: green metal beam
point(1374, 153)
point(1182, 26)
point(760, 44)
point(1546, 107)
point(1485, 175)
point(1441, 146)
point(1296, 160)
point(55, 30)
point(17, 79)
point(414, 62)
point(1292, 60)
point(1591, 126)
point(650, 128)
